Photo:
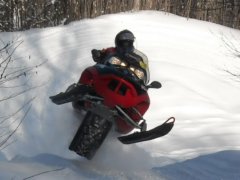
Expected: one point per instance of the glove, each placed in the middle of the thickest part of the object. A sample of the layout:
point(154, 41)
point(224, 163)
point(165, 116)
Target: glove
point(96, 55)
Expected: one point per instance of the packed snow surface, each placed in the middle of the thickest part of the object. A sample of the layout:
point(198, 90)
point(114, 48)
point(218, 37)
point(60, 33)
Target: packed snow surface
point(189, 57)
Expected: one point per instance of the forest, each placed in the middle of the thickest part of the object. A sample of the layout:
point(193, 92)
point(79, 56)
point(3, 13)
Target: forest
point(18, 15)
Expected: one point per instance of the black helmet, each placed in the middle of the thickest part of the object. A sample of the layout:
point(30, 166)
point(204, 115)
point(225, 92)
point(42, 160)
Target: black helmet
point(124, 41)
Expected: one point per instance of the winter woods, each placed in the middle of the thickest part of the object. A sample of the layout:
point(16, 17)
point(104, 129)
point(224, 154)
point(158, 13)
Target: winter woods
point(25, 14)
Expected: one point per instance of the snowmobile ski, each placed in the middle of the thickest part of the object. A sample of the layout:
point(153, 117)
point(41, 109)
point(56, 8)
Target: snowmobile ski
point(73, 93)
point(154, 133)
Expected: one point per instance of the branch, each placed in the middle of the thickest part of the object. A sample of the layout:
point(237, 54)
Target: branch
point(10, 45)
point(8, 59)
point(21, 108)
point(233, 47)
point(25, 70)
point(20, 72)
point(19, 93)
point(13, 132)
point(4, 147)
point(44, 172)
point(5, 47)
point(14, 86)
point(233, 74)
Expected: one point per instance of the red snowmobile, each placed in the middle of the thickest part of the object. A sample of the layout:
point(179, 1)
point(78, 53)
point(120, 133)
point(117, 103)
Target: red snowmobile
point(111, 93)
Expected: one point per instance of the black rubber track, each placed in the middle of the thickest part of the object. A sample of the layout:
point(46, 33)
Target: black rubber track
point(90, 135)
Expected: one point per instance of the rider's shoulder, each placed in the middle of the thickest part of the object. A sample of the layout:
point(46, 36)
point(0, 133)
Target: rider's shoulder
point(109, 50)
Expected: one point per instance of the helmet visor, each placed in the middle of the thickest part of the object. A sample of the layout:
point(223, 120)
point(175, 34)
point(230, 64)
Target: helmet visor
point(125, 44)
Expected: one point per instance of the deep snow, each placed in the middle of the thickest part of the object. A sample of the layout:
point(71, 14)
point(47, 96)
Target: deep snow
point(187, 56)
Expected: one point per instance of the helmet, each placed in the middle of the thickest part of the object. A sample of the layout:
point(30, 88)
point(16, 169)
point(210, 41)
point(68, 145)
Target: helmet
point(124, 41)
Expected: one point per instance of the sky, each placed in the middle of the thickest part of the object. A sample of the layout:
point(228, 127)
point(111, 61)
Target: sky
point(190, 59)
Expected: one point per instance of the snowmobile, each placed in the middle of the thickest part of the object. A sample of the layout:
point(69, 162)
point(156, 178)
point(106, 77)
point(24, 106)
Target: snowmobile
point(114, 96)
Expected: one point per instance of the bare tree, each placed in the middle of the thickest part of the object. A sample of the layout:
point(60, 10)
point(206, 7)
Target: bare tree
point(14, 77)
point(233, 47)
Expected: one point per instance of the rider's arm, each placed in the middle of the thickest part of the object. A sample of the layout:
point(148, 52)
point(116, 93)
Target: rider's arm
point(99, 55)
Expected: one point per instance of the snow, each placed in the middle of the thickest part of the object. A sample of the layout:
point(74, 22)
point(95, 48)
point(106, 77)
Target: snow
point(187, 56)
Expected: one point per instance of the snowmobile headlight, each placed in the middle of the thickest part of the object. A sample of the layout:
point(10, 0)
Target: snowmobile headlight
point(138, 72)
point(116, 61)
point(123, 64)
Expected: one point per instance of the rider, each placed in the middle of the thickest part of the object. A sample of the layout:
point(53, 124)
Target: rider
point(123, 48)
